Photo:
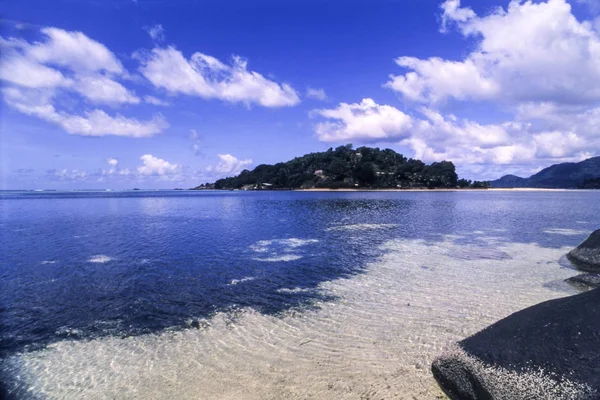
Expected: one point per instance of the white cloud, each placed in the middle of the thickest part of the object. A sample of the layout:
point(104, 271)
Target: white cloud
point(366, 120)
point(88, 67)
point(156, 101)
point(113, 162)
point(157, 166)
point(449, 131)
point(75, 51)
point(318, 94)
point(453, 12)
point(103, 90)
point(529, 52)
point(156, 32)
point(92, 123)
point(205, 76)
point(40, 75)
point(19, 70)
point(436, 79)
point(533, 59)
point(438, 137)
point(229, 165)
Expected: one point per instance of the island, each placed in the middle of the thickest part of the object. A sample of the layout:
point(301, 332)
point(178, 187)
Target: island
point(347, 168)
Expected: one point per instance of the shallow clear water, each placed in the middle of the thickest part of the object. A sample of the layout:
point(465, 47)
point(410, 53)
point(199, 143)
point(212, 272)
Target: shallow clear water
point(255, 294)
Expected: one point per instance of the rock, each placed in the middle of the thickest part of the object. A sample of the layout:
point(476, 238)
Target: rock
point(585, 281)
point(586, 256)
point(547, 351)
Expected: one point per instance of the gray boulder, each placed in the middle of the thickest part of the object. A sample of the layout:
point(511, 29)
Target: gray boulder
point(585, 281)
point(586, 256)
point(547, 351)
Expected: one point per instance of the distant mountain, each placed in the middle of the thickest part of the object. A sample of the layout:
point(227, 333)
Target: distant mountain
point(346, 167)
point(509, 181)
point(584, 174)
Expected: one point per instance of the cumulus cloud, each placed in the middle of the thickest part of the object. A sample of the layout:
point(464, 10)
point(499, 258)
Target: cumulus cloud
point(113, 162)
point(535, 60)
point(17, 69)
point(92, 123)
point(157, 166)
point(207, 77)
point(366, 121)
point(103, 90)
point(528, 52)
point(436, 137)
point(39, 75)
point(75, 51)
point(65, 60)
point(318, 94)
point(229, 165)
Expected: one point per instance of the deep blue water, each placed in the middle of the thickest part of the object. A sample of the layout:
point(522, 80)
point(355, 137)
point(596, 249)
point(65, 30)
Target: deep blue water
point(174, 256)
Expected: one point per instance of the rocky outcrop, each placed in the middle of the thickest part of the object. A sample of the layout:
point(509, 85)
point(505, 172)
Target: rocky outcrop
point(586, 256)
point(585, 281)
point(548, 351)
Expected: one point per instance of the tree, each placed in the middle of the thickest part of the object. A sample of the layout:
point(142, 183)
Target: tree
point(464, 183)
point(365, 173)
point(338, 169)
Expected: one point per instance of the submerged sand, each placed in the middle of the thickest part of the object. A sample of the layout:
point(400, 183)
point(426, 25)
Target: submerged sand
point(377, 341)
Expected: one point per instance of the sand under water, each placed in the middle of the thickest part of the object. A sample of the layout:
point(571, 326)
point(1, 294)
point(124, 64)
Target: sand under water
point(375, 341)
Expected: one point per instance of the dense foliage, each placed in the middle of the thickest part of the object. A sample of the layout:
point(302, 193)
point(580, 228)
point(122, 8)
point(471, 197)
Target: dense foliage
point(345, 167)
point(590, 183)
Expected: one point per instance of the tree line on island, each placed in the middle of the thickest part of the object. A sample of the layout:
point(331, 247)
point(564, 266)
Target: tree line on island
point(346, 167)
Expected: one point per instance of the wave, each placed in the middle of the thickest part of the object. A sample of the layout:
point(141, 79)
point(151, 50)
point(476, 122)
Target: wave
point(246, 279)
point(100, 258)
point(282, 258)
point(361, 227)
point(566, 232)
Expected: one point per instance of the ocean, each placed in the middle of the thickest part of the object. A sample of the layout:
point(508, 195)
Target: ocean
point(257, 295)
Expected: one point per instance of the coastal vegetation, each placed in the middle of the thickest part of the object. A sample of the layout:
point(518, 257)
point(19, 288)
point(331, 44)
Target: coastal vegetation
point(347, 167)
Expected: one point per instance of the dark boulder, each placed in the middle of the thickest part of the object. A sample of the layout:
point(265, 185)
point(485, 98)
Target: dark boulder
point(586, 256)
point(547, 351)
point(585, 281)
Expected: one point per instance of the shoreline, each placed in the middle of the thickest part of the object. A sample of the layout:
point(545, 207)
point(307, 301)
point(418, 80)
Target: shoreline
point(434, 190)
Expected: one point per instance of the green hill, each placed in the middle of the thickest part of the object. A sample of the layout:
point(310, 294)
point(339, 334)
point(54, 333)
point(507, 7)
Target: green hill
point(346, 167)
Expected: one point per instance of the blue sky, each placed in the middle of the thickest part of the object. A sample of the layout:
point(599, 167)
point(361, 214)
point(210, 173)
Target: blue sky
point(163, 94)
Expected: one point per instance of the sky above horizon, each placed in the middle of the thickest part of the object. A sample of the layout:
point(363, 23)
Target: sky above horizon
point(162, 94)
